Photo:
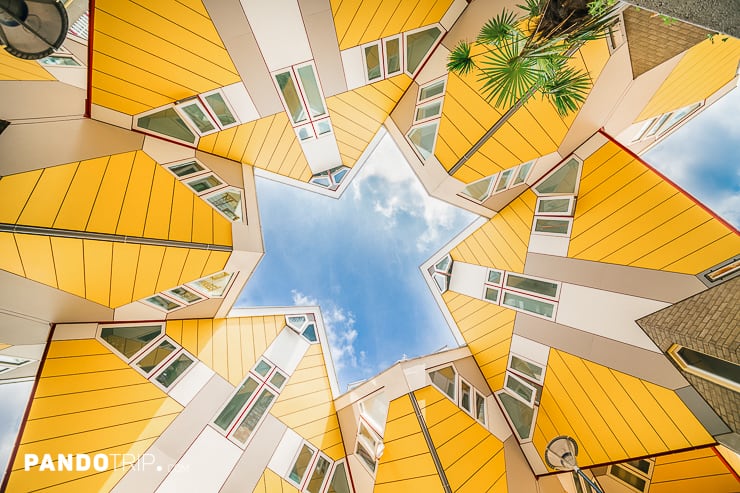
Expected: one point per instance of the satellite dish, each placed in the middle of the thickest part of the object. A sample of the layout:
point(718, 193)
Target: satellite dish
point(32, 29)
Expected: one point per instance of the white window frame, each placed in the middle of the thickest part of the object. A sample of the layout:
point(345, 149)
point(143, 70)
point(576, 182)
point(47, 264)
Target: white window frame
point(335, 465)
point(425, 104)
point(158, 371)
point(634, 472)
point(567, 213)
point(308, 320)
point(8, 366)
point(552, 171)
point(366, 415)
point(187, 303)
point(401, 56)
point(515, 181)
point(673, 352)
point(294, 77)
point(212, 112)
point(160, 365)
point(179, 105)
point(135, 126)
point(312, 468)
point(568, 220)
point(191, 284)
point(62, 52)
point(531, 401)
point(369, 447)
point(136, 355)
point(507, 174)
point(311, 464)
point(534, 298)
point(442, 79)
point(498, 289)
point(535, 411)
point(431, 50)
point(169, 166)
point(540, 381)
point(475, 408)
point(489, 192)
point(217, 190)
point(434, 121)
point(453, 399)
point(201, 176)
point(555, 298)
point(470, 412)
point(656, 127)
point(381, 59)
point(180, 304)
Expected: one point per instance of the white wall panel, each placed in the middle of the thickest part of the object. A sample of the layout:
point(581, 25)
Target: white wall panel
point(194, 380)
point(287, 350)
point(354, 70)
point(468, 279)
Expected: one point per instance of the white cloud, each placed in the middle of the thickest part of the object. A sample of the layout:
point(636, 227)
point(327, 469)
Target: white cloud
point(340, 330)
point(395, 193)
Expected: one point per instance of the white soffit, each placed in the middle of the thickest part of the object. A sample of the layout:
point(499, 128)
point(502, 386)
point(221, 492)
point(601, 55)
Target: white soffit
point(241, 102)
point(354, 70)
point(280, 32)
point(194, 380)
point(322, 153)
point(287, 350)
point(468, 279)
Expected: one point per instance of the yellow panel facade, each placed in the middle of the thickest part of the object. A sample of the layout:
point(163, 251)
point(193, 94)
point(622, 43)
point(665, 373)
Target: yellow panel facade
point(147, 57)
point(688, 472)
point(702, 71)
point(472, 458)
point(88, 401)
point(502, 242)
point(487, 330)
point(306, 405)
point(358, 22)
point(612, 416)
point(12, 68)
point(272, 483)
point(612, 223)
point(406, 464)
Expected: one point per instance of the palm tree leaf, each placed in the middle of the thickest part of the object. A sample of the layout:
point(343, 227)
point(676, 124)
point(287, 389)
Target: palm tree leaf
point(507, 75)
point(532, 7)
point(498, 30)
point(566, 89)
point(460, 60)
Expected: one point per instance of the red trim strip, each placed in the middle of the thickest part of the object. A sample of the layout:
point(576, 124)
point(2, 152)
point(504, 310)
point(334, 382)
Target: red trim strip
point(671, 182)
point(90, 36)
point(14, 452)
point(727, 464)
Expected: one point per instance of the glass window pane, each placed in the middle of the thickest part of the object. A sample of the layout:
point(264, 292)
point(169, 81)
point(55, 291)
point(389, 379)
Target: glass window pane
point(710, 364)
point(423, 138)
point(444, 380)
point(503, 182)
point(129, 340)
point(167, 122)
point(339, 175)
point(253, 416)
point(184, 169)
point(201, 121)
point(372, 61)
point(393, 55)
point(677, 116)
point(318, 475)
point(554, 205)
point(526, 368)
point(13, 360)
point(723, 271)
point(465, 396)
point(441, 280)
point(494, 277)
point(185, 295)
point(313, 93)
point(376, 408)
point(654, 129)
point(304, 133)
point(220, 109)
point(278, 380)
point(229, 202)
point(547, 288)
point(301, 464)
point(155, 356)
point(262, 368)
point(204, 183)
point(323, 127)
point(428, 110)
point(292, 97)
point(491, 294)
point(640, 464)
point(174, 370)
point(418, 45)
point(310, 333)
point(563, 180)
point(522, 172)
point(60, 60)
point(528, 304)
point(631, 479)
point(480, 408)
point(297, 321)
point(554, 226)
point(366, 455)
point(444, 264)
point(431, 90)
point(520, 414)
point(479, 190)
point(214, 285)
point(162, 302)
point(339, 483)
point(519, 388)
point(233, 407)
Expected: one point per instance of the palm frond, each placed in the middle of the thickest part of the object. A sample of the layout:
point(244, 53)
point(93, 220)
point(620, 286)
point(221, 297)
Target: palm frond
point(460, 60)
point(533, 8)
point(508, 76)
point(566, 89)
point(498, 30)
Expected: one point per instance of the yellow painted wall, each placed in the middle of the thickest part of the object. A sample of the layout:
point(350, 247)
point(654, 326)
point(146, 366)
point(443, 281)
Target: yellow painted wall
point(703, 70)
point(406, 464)
point(487, 330)
point(359, 22)
point(88, 401)
point(502, 242)
point(613, 416)
point(357, 115)
point(272, 483)
point(306, 405)
point(229, 346)
point(689, 472)
point(269, 143)
point(627, 214)
point(12, 68)
point(148, 56)
point(472, 458)
point(4, 346)
point(534, 130)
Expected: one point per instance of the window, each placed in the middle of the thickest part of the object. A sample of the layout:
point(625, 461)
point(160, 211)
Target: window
point(330, 179)
point(419, 44)
point(301, 464)
point(393, 61)
point(162, 303)
point(633, 478)
point(444, 380)
point(562, 181)
point(521, 393)
point(428, 110)
point(519, 415)
point(220, 107)
point(465, 397)
point(303, 100)
point(339, 482)
point(166, 122)
point(247, 407)
point(661, 124)
point(60, 60)
point(175, 370)
point(371, 57)
point(523, 293)
point(529, 305)
point(480, 408)
point(184, 295)
point(369, 446)
point(520, 389)
point(228, 202)
point(441, 272)
point(522, 173)
point(423, 137)
point(305, 325)
point(375, 410)
point(716, 370)
point(553, 227)
point(484, 188)
point(432, 90)
point(492, 286)
point(726, 270)
point(194, 112)
point(555, 206)
point(462, 393)
point(155, 356)
point(213, 286)
point(503, 180)
point(128, 340)
point(550, 289)
point(480, 190)
point(527, 369)
point(8, 363)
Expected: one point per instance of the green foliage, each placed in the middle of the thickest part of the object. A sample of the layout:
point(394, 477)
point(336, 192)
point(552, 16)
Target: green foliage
point(667, 20)
point(522, 57)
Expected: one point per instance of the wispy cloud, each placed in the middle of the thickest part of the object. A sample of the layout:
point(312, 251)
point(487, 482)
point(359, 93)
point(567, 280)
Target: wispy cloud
point(340, 329)
point(389, 185)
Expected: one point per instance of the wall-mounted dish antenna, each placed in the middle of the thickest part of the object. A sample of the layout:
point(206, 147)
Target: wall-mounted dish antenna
point(32, 29)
